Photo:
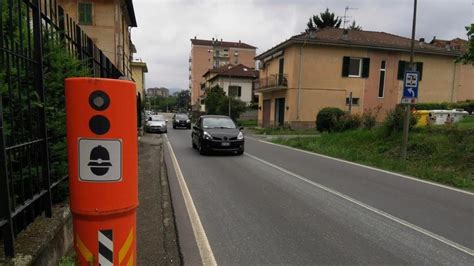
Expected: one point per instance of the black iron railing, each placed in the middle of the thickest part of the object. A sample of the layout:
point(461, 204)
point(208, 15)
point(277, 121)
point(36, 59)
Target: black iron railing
point(33, 158)
point(271, 81)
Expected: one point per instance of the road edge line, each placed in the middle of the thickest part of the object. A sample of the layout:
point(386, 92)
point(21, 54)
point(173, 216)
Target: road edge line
point(370, 208)
point(366, 166)
point(205, 250)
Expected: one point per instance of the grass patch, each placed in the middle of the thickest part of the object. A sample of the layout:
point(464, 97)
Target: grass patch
point(440, 154)
point(284, 131)
point(467, 122)
point(247, 123)
point(68, 261)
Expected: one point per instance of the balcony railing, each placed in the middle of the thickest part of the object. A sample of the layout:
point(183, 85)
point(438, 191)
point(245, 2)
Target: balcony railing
point(271, 81)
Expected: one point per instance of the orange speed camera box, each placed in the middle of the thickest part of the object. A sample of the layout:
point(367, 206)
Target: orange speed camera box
point(103, 174)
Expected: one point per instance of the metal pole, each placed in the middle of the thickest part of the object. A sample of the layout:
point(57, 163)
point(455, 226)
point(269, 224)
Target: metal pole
point(350, 102)
point(406, 122)
point(228, 93)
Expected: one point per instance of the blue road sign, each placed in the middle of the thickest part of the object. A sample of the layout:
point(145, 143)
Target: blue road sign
point(410, 84)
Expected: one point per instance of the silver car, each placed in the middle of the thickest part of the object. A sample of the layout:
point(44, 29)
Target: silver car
point(156, 123)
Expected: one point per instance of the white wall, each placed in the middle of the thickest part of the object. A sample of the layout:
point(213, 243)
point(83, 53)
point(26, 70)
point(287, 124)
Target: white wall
point(245, 84)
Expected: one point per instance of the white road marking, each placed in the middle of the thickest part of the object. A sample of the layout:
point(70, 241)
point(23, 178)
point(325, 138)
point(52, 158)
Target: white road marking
point(365, 166)
point(207, 256)
point(377, 211)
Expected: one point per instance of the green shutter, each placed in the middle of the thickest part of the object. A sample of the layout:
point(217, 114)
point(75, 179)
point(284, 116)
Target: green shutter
point(419, 68)
point(345, 66)
point(365, 67)
point(401, 69)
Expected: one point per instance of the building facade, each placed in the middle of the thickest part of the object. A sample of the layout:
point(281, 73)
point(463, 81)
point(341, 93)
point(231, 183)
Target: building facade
point(108, 23)
point(321, 69)
point(238, 79)
point(161, 92)
point(208, 54)
point(138, 74)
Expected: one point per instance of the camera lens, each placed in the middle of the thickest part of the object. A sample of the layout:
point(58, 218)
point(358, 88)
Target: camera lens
point(99, 124)
point(99, 100)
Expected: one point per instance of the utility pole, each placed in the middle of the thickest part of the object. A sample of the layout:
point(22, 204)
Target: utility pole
point(228, 93)
point(406, 122)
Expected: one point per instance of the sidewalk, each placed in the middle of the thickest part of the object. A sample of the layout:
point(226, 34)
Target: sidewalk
point(156, 233)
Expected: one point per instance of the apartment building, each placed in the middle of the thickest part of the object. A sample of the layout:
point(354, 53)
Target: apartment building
point(208, 54)
point(108, 23)
point(161, 92)
point(313, 70)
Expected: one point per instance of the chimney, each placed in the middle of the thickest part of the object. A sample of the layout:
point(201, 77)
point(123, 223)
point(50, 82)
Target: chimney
point(195, 37)
point(345, 35)
point(240, 42)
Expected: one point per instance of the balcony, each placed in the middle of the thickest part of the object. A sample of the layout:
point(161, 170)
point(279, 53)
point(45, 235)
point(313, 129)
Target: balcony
point(271, 82)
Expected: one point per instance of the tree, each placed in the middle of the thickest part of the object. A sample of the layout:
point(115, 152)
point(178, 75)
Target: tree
point(183, 99)
point(468, 57)
point(354, 26)
point(217, 103)
point(214, 97)
point(323, 20)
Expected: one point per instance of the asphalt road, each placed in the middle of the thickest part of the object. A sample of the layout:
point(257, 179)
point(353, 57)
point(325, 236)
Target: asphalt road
point(275, 205)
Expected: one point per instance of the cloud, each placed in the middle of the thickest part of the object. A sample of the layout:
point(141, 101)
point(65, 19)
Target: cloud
point(165, 27)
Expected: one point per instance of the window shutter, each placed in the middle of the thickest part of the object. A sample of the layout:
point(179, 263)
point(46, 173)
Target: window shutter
point(419, 68)
point(401, 69)
point(345, 66)
point(365, 67)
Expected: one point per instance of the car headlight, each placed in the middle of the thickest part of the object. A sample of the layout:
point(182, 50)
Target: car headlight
point(187, 121)
point(207, 135)
point(240, 136)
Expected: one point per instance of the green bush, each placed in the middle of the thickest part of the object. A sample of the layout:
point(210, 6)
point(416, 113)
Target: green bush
point(394, 120)
point(369, 117)
point(433, 106)
point(347, 122)
point(466, 105)
point(327, 118)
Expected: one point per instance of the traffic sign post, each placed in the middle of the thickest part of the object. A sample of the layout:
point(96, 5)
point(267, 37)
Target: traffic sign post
point(103, 172)
point(410, 87)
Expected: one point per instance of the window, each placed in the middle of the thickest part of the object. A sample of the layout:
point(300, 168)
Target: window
point(85, 13)
point(405, 66)
point(355, 67)
point(382, 79)
point(235, 91)
point(355, 101)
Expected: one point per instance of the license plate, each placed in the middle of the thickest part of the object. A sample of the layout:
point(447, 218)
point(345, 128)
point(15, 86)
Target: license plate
point(225, 144)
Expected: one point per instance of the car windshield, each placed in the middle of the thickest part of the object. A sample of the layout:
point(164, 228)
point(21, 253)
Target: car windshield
point(218, 122)
point(156, 118)
point(182, 117)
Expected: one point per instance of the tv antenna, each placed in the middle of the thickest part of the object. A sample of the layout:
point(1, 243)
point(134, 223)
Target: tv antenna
point(345, 18)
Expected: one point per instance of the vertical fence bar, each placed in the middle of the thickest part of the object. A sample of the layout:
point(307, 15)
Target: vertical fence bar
point(39, 85)
point(5, 204)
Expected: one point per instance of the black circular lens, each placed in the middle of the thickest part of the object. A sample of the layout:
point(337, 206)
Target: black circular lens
point(99, 100)
point(99, 124)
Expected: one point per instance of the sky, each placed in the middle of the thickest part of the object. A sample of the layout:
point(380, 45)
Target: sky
point(165, 27)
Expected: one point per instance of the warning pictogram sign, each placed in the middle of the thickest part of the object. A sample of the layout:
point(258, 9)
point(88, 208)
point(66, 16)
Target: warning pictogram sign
point(100, 160)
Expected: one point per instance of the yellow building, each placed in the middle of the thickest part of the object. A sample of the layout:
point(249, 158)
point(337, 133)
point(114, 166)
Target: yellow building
point(138, 74)
point(108, 24)
point(310, 71)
